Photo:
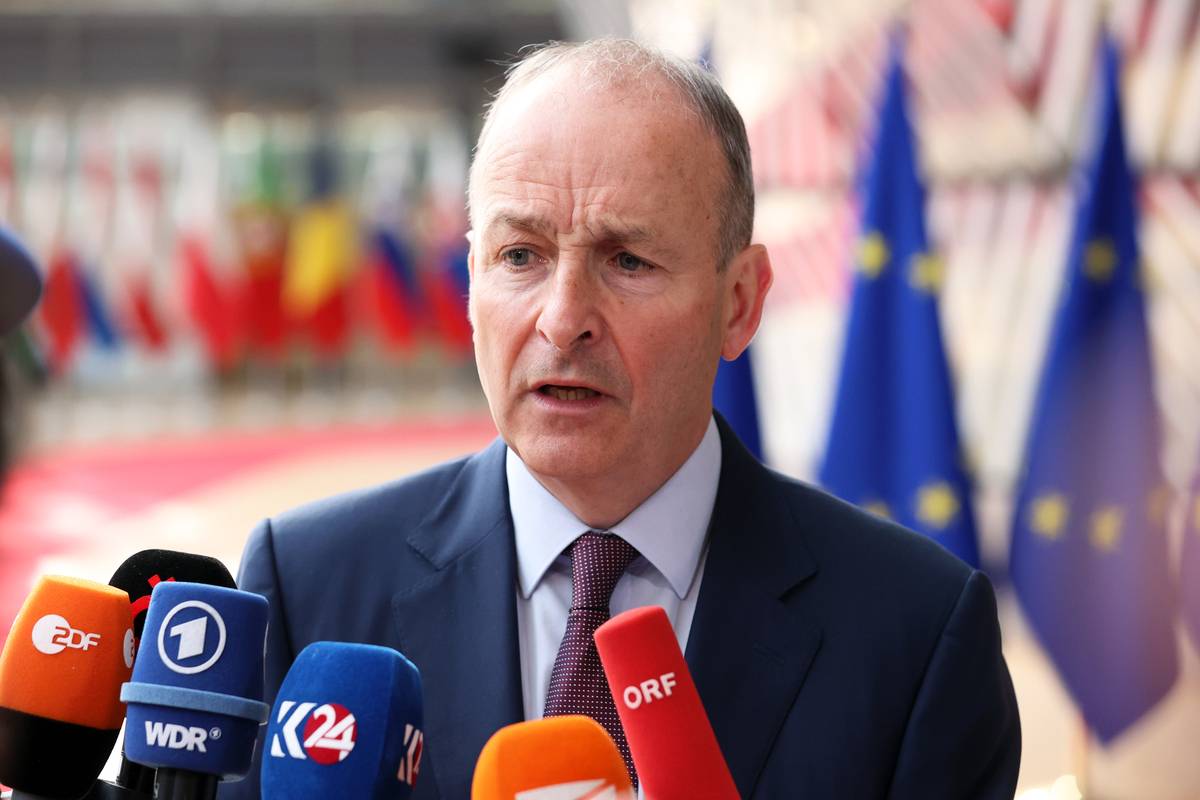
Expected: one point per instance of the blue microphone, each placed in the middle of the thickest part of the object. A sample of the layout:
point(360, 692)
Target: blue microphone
point(346, 723)
point(195, 699)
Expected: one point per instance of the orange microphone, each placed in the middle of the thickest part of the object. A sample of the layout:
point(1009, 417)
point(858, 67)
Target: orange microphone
point(557, 758)
point(672, 742)
point(69, 651)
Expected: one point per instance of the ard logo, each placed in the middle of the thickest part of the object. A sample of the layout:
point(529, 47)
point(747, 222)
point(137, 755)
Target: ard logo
point(191, 638)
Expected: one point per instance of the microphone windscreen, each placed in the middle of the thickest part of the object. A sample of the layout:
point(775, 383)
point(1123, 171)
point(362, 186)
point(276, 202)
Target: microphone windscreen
point(556, 758)
point(141, 572)
point(195, 700)
point(347, 722)
point(674, 749)
point(69, 650)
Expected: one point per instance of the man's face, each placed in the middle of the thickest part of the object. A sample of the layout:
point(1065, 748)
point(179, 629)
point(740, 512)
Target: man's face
point(595, 296)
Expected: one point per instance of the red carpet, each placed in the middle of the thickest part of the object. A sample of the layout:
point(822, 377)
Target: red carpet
point(51, 503)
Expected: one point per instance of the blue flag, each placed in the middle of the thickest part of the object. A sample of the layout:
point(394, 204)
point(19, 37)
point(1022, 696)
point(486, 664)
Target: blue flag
point(1089, 548)
point(733, 392)
point(99, 320)
point(1190, 570)
point(893, 446)
point(733, 396)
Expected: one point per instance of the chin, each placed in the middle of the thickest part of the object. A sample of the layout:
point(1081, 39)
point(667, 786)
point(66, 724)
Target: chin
point(565, 457)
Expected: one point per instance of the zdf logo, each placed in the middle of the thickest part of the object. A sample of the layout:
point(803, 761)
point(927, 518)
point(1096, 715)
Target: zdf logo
point(191, 638)
point(328, 735)
point(53, 634)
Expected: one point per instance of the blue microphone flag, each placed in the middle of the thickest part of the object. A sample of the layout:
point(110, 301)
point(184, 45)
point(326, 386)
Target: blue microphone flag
point(195, 699)
point(347, 722)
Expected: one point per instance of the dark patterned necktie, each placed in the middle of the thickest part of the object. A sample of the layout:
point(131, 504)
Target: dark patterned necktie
point(577, 683)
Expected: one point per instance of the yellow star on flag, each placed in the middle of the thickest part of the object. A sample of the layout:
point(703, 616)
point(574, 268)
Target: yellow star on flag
point(936, 504)
point(926, 272)
point(878, 508)
point(1105, 531)
point(1147, 277)
point(1048, 515)
point(873, 254)
point(1099, 260)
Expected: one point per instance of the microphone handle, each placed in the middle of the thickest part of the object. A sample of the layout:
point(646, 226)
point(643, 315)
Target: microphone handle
point(107, 790)
point(135, 777)
point(182, 784)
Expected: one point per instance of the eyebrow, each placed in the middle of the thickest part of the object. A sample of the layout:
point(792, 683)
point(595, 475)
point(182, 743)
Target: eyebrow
point(604, 231)
point(529, 224)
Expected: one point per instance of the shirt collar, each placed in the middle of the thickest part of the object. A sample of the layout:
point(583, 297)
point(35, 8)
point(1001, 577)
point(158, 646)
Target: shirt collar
point(669, 528)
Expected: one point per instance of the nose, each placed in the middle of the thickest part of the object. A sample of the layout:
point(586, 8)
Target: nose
point(568, 316)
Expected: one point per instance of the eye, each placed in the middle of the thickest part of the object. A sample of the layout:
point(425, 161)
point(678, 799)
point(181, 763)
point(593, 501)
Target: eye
point(630, 263)
point(517, 256)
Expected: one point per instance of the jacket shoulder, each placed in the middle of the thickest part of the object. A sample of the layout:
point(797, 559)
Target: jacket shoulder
point(357, 532)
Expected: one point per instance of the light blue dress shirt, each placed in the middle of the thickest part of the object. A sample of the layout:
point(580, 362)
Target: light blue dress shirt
point(670, 530)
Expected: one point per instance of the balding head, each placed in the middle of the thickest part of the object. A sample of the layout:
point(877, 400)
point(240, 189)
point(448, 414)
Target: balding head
point(604, 64)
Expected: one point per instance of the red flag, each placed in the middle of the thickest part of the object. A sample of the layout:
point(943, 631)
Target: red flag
point(262, 234)
point(390, 293)
point(62, 310)
point(142, 314)
point(320, 261)
point(211, 309)
point(329, 324)
point(446, 288)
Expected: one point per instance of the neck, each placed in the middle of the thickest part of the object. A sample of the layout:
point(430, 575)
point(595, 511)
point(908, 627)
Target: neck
point(602, 501)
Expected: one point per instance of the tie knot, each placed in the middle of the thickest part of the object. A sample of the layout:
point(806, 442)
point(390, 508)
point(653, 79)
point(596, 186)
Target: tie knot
point(598, 560)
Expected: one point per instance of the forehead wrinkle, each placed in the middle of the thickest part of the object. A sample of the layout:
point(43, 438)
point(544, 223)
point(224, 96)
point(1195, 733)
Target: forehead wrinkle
point(530, 223)
point(607, 230)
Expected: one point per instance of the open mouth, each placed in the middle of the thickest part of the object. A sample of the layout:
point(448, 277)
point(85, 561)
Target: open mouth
point(567, 392)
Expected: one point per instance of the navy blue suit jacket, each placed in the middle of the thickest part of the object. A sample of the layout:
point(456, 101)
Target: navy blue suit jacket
point(838, 655)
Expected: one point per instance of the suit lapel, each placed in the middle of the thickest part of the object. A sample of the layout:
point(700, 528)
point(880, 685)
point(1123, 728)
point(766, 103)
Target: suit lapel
point(459, 624)
point(751, 642)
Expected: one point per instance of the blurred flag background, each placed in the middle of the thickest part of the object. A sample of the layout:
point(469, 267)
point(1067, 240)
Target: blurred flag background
point(251, 218)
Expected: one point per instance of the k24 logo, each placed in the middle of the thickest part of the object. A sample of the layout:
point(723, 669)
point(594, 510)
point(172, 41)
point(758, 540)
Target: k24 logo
point(327, 737)
point(410, 764)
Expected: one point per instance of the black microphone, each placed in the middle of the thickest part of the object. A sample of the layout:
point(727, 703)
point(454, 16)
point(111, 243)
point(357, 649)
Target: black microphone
point(137, 576)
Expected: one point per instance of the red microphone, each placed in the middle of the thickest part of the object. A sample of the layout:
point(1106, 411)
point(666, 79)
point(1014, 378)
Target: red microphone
point(673, 745)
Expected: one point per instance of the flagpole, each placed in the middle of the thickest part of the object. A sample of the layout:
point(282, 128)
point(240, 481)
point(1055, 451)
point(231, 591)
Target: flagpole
point(1080, 752)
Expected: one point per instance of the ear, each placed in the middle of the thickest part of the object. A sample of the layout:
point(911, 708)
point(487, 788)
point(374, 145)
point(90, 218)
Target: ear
point(471, 282)
point(470, 254)
point(747, 281)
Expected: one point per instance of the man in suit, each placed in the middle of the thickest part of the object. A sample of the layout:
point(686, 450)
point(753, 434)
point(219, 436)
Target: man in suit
point(837, 655)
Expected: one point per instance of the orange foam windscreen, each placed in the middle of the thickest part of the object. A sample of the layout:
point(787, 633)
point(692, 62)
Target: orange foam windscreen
point(69, 651)
point(557, 758)
point(674, 749)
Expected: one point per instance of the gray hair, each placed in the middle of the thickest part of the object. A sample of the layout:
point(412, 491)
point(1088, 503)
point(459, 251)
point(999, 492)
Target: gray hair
point(610, 61)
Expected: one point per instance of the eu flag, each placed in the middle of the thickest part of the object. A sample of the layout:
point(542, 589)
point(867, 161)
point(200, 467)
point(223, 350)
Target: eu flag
point(1190, 571)
point(734, 397)
point(893, 445)
point(1089, 547)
